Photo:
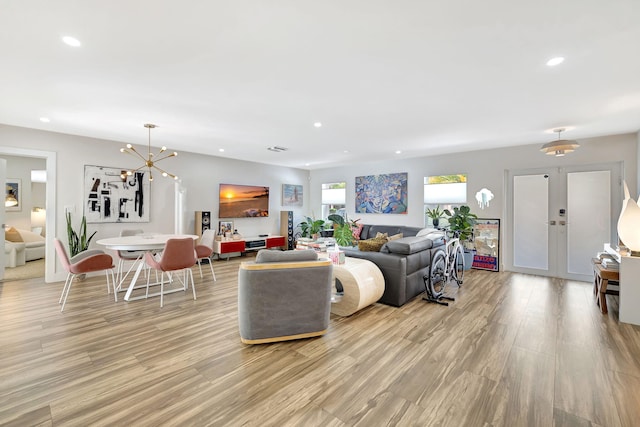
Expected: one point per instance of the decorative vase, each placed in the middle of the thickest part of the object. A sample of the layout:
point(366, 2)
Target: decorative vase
point(435, 221)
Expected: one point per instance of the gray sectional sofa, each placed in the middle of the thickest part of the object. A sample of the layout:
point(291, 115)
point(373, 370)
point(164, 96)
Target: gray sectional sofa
point(403, 262)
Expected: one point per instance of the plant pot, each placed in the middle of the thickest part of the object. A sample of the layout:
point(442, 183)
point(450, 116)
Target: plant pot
point(436, 221)
point(327, 233)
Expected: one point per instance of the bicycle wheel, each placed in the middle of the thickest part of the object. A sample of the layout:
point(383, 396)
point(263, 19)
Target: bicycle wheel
point(458, 265)
point(437, 277)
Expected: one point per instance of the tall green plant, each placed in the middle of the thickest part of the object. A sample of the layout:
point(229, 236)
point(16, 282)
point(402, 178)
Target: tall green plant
point(462, 221)
point(78, 242)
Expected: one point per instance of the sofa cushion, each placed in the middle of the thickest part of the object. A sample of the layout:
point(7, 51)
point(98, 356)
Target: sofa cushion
point(13, 235)
point(370, 230)
point(266, 255)
point(372, 245)
point(407, 245)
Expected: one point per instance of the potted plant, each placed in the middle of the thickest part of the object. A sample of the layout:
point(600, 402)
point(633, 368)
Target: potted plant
point(435, 214)
point(78, 242)
point(462, 221)
point(342, 229)
point(311, 227)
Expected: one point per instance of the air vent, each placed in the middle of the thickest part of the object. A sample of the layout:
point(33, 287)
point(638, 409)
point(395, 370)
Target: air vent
point(277, 149)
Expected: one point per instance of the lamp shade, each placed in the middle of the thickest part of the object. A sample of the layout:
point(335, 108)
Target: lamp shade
point(629, 222)
point(559, 147)
point(10, 200)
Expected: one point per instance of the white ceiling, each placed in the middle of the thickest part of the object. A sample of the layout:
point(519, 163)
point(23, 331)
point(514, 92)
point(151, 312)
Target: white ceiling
point(423, 77)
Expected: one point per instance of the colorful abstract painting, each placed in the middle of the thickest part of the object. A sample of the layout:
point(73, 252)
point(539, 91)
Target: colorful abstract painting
point(384, 194)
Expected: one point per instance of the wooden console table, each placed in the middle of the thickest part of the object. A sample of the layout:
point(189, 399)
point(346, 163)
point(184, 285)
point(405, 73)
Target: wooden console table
point(247, 244)
point(601, 277)
point(629, 286)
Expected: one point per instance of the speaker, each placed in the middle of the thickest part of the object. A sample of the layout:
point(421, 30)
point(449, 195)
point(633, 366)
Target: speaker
point(203, 222)
point(286, 228)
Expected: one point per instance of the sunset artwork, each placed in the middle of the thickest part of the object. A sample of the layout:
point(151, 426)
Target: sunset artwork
point(241, 201)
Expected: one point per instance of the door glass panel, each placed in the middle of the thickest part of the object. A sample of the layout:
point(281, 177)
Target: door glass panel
point(530, 219)
point(588, 217)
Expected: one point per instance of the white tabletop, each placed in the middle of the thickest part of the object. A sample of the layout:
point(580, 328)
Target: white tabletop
point(141, 242)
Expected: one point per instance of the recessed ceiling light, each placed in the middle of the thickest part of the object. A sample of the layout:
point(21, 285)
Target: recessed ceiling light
point(221, 150)
point(555, 61)
point(346, 151)
point(45, 119)
point(398, 151)
point(71, 41)
point(307, 164)
point(317, 124)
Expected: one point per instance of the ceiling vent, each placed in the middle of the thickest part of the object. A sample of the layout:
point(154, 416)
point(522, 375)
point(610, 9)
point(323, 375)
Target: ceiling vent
point(277, 149)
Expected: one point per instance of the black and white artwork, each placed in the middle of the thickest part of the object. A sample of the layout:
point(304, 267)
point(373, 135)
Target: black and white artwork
point(111, 198)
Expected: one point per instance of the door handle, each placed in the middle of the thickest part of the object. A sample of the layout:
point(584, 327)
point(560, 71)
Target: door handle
point(552, 223)
point(562, 223)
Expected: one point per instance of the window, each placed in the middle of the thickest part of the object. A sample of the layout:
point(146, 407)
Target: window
point(334, 196)
point(445, 191)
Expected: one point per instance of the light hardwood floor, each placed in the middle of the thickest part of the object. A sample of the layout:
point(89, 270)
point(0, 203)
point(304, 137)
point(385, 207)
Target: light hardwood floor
point(513, 350)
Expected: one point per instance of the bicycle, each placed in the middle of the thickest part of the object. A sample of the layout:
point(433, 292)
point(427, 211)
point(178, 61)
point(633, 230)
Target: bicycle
point(447, 264)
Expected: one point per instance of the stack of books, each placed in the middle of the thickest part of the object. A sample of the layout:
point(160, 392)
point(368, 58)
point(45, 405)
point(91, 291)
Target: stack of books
point(319, 245)
point(608, 262)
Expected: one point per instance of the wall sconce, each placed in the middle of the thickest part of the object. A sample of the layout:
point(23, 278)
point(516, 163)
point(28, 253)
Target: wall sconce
point(483, 197)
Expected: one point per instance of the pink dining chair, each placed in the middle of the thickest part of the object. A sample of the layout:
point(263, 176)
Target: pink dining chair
point(204, 250)
point(178, 254)
point(85, 262)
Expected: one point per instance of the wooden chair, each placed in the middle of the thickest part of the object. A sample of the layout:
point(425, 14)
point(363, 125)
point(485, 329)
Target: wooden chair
point(84, 262)
point(178, 255)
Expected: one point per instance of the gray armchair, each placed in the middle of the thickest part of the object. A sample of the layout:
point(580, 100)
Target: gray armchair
point(284, 296)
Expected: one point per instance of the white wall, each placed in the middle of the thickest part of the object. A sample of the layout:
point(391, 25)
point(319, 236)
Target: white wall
point(485, 168)
point(200, 175)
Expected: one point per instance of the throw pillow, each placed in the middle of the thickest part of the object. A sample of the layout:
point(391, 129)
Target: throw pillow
point(427, 231)
point(380, 235)
point(13, 235)
point(372, 245)
point(395, 237)
point(356, 231)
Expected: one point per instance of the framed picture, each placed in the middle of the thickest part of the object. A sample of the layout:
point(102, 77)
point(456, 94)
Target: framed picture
point(292, 195)
point(486, 237)
point(110, 198)
point(225, 227)
point(13, 195)
point(384, 194)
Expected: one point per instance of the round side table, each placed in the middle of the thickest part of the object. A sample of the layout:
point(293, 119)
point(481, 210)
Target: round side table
point(362, 282)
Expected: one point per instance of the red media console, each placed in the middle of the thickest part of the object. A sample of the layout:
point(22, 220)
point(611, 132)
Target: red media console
point(247, 244)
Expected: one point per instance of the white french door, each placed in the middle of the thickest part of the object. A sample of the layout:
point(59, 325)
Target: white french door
point(560, 217)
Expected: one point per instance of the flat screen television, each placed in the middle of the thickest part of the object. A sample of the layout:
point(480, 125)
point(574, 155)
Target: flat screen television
point(243, 201)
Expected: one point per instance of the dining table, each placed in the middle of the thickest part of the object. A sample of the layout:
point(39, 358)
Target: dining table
point(147, 242)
